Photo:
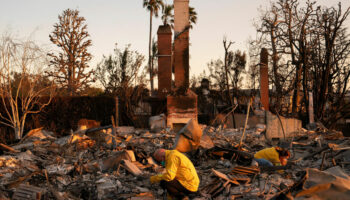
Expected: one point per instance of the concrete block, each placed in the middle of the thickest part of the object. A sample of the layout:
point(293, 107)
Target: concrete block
point(125, 130)
point(189, 137)
point(132, 168)
point(240, 120)
point(157, 123)
point(274, 128)
point(104, 187)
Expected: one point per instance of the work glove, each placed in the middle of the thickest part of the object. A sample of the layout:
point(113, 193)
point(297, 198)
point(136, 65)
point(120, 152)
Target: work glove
point(155, 179)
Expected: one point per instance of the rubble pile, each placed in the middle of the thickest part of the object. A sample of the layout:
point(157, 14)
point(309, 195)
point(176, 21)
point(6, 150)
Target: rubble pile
point(116, 163)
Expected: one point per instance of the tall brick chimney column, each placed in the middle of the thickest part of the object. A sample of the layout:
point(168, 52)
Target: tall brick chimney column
point(164, 60)
point(181, 51)
point(182, 107)
point(264, 79)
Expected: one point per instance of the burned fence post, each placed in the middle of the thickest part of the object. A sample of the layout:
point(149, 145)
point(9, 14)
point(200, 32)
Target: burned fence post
point(116, 112)
point(311, 108)
point(246, 123)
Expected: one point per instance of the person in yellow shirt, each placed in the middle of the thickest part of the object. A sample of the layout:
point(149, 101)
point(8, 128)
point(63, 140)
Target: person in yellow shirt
point(274, 156)
point(180, 178)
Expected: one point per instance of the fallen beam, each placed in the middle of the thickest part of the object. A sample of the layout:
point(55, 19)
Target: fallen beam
point(275, 168)
point(132, 168)
point(5, 147)
point(315, 153)
point(90, 130)
point(28, 192)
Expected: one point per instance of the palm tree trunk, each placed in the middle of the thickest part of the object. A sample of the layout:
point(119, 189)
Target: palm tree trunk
point(149, 54)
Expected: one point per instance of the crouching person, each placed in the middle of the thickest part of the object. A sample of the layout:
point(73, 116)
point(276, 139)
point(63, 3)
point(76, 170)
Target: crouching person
point(180, 178)
point(274, 156)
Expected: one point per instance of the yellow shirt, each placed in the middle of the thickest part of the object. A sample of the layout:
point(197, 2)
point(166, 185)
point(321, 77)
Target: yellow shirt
point(269, 154)
point(179, 167)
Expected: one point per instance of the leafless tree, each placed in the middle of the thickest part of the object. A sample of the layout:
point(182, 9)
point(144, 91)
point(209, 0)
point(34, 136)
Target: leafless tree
point(237, 63)
point(228, 60)
point(310, 50)
point(331, 68)
point(273, 35)
point(253, 72)
point(70, 65)
point(21, 85)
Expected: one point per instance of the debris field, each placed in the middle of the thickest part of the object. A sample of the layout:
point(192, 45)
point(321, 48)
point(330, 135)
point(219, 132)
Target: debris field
point(116, 163)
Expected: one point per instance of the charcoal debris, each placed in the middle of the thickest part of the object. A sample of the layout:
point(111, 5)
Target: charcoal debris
point(80, 166)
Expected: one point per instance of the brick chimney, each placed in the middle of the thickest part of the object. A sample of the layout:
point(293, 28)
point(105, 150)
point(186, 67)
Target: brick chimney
point(181, 51)
point(264, 79)
point(182, 106)
point(164, 60)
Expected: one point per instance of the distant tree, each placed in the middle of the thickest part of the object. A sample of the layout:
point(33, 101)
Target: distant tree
point(237, 63)
point(21, 82)
point(330, 60)
point(234, 65)
point(120, 70)
point(120, 75)
point(154, 57)
point(216, 73)
point(193, 17)
point(227, 62)
point(283, 31)
point(70, 64)
point(92, 91)
point(195, 81)
point(269, 30)
point(168, 16)
point(153, 6)
point(226, 75)
point(310, 51)
point(254, 69)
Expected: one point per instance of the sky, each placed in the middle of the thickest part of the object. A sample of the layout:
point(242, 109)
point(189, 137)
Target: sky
point(127, 22)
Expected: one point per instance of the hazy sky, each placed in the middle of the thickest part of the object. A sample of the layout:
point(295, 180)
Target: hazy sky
point(127, 22)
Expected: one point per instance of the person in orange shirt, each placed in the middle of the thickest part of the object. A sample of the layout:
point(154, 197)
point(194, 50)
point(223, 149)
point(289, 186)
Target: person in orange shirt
point(274, 156)
point(180, 178)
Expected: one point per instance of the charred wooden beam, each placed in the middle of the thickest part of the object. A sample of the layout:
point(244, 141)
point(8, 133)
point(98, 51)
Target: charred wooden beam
point(275, 168)
point(29, 192)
